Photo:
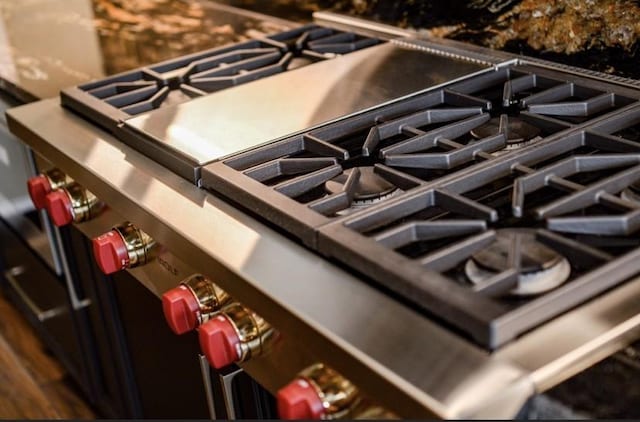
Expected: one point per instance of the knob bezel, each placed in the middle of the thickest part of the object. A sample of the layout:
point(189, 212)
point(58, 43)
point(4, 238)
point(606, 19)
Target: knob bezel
point(250, 333)
point(128, 240)
point(194, 302)
point(41, 185)
point(211, 298)
point(338, 395)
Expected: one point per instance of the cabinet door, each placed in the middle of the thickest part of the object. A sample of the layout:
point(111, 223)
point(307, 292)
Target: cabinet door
point(42, 298)
point(165, 366)
point(116, 395)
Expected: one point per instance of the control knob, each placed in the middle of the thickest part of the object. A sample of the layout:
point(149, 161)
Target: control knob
point(73, 203)
point(234, 335)
point(46, 182)
point(318, 392)
point(191, 304)
point(124, 246)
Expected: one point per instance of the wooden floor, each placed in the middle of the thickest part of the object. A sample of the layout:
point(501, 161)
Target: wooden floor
point(33, 384)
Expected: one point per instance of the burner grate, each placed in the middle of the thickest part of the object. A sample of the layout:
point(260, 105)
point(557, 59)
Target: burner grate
point(510, 203)
point(587, 222)
point(410, 143)
point(114, 99)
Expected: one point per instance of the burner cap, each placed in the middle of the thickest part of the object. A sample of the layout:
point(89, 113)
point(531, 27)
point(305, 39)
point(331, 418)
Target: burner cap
point(519, 131)
point(542, 268)
point(535, 256)
point(297, 62)
point(370, 186)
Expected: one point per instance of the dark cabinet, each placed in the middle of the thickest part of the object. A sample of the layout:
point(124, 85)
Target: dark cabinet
point(146, 371)
point(43, 298)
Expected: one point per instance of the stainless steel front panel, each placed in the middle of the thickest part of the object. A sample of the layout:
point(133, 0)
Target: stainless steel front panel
point(236, 119)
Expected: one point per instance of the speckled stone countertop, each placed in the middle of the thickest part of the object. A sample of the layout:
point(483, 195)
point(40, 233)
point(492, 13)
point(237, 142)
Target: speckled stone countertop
point(49, 44)
point(46, 45)
point(601, 35)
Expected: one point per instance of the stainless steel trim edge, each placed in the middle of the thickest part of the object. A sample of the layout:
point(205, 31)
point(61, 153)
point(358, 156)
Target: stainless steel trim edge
point(226, 377)
point(208, 389)
point(76, 302)
point(478, 59)
point(349, 23)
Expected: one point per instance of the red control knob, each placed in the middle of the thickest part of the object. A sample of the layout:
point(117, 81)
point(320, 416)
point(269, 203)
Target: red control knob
point(299, 400)
point(220, 342)
point(181, 309)
point(38, 188)
point(110, 252)
point(59, 207)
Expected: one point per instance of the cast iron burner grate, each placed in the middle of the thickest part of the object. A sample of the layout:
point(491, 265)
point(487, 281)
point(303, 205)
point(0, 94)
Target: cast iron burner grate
point(497, 202)
point(108, 101)
point(468, 248)
point(405, 145)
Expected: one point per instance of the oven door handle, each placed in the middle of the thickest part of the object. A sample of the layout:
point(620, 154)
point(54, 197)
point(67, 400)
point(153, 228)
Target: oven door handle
point(226, 380)
point(11, 276)
point(208, 388)
point(76, 303)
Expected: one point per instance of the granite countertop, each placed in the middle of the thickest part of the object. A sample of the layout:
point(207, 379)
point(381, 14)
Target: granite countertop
point(46, 45)
point(601, 35)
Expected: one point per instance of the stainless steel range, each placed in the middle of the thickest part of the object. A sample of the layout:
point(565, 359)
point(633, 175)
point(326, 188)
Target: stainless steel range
point(381, 226)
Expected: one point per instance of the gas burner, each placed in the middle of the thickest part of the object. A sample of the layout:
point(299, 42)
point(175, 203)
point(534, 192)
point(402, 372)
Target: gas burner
point(179, 80)
point(369, 189)
point(541, 268)
point(519, 132)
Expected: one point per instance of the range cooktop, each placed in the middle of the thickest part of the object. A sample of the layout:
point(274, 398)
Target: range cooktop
point(190, 111)
point(490, 197)
point(493, 203)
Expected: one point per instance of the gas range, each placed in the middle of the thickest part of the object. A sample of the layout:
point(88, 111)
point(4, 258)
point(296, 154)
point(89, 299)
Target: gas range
point(465, 208)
